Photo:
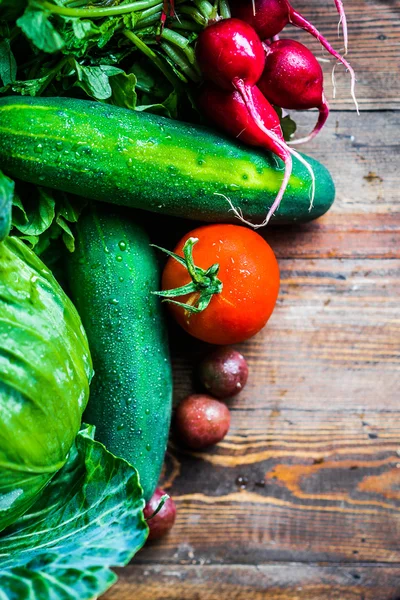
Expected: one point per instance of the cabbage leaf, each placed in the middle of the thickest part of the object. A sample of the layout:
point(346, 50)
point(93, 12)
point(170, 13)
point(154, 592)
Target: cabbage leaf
point(45, 371)
point(88, 519)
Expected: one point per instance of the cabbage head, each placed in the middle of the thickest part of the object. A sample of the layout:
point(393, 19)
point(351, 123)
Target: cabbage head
point(45, 371)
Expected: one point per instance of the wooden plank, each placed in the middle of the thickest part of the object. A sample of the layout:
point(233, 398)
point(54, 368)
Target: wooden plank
point(374, 29)
point(287, 485)
point(267, 582)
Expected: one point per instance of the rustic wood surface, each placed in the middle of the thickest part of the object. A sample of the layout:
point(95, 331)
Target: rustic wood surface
point(302, 499)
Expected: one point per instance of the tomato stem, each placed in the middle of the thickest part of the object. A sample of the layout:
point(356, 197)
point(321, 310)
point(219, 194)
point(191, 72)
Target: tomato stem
point(205, 282)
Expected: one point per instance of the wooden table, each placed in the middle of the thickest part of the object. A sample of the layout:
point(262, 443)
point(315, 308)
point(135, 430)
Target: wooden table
point(302, 499)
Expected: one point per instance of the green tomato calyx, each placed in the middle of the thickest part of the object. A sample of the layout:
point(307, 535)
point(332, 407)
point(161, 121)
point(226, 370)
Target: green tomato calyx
point(204, 284)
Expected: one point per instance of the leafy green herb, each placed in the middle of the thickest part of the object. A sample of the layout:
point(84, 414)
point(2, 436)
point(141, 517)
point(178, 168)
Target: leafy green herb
point(288, 125)
point(6, 200)
point(36, 25)
point(88, 520)
point(8, 64)
point(41, 215)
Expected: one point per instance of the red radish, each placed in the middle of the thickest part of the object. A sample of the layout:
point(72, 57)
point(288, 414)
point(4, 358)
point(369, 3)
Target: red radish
point(293, 78)
point(269, 17)
point(247, 115)
point(163, 520)
point(201, 421)
point(223, 373)
point(229, 50)
point(228, 110)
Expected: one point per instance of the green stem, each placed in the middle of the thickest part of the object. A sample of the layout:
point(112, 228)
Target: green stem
point(160, 64)
point(163, 500)
point(195, 14)
point(106, 11)
point(206, 9)
point(149, 21)
point(224, 9)
point(186, 25)
point(204, 284)
point(181, 42)
point(151, 11)
point(177, 56)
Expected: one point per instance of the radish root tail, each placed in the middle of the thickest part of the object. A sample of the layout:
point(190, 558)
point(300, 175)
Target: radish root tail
point(343, 23)
point(298, 20)
point(281, 149)
point(322, 118)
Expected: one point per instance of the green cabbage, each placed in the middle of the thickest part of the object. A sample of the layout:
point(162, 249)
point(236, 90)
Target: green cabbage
point(45, 371)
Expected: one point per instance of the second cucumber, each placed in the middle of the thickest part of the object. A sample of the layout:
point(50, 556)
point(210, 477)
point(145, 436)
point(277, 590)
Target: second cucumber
point(112, 275)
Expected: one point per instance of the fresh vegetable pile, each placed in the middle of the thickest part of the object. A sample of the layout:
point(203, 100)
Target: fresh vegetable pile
point(104, 108)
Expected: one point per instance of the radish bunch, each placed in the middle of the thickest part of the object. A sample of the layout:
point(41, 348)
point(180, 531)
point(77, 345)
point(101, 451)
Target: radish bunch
point(248, 70)
point(269, 17)
point(231, 57)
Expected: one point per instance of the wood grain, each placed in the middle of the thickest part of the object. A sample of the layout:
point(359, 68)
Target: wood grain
point(374, 52)
point(267, 582)
point(287, 485)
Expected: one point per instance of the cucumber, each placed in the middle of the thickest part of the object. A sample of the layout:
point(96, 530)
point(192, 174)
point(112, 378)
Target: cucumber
point(111, 276)
point(145, 161)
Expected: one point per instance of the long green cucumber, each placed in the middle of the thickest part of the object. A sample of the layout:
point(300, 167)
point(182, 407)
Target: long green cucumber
point(111, 276)
point(145, 161)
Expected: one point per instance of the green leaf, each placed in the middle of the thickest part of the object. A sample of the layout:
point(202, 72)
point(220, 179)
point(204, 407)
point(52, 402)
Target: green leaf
point(41, 215)
point(31, 87)
point(88, 520)
point(67, 235)
point(95, 80)
point(168, 108)
point(8, 64)
point(36, 25)
point(6, 200)
point(124, 90)
point(288, 127)
point(287, 124)
point(36, 213)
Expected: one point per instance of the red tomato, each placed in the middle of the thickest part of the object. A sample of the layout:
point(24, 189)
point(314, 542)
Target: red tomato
point(249, 273)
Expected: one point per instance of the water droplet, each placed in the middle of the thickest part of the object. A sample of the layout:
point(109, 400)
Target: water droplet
point(200, 162)
point(245, 176)
point(168, 137)
point(119, 258)
point(242, 482)
point(114, 301)
point(129, 162)
point(147, 411)
point(120, 426)
point(39, 149)
point(121, 278)
point(233, 187)
point(148, 447)
point(122, 245)
point(59, 146)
